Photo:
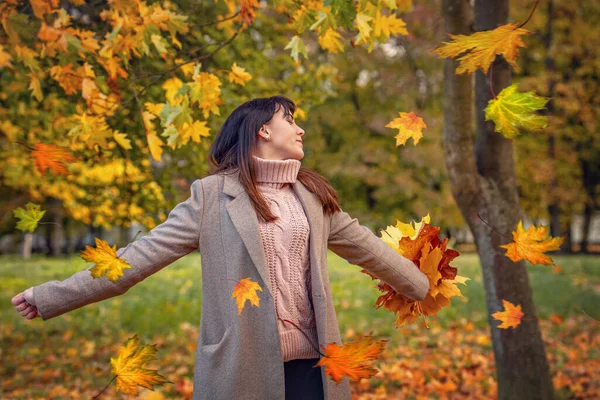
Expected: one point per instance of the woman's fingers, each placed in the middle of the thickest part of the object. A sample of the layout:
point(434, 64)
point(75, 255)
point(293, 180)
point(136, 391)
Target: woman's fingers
point(29, 311)
point(32, 314)
point(26, 310)
point(19, 298)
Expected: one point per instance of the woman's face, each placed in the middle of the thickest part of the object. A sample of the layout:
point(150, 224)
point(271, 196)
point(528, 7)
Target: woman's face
point(285, 138)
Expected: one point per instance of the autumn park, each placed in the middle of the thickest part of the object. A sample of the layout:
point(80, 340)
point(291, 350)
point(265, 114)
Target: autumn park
point(462, 134)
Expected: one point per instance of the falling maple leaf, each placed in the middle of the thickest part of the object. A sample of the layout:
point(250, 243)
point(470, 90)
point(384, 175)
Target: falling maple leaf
point(512, 110)
point(409, 125)
point(107, 262)
point(479, 49)
point(351, 359)
point(29, 218)
point(531, 244)
point(510, 317)
point(244, 290)
point(53, 157)
point(129, 367)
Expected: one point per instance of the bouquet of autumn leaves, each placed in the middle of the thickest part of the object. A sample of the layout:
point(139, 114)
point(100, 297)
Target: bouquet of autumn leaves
point(421, 244)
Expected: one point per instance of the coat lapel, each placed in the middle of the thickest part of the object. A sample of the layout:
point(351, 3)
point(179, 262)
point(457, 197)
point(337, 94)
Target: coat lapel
point(245, 220)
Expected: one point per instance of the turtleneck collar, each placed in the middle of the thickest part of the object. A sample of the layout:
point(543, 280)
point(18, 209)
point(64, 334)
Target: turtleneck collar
point(275, 173)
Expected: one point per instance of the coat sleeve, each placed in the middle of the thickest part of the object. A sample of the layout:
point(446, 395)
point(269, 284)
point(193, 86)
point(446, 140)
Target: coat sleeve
point(358, 245)
point(176, 237)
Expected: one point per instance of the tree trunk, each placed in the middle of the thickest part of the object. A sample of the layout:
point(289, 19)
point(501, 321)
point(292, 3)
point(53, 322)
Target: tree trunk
point(483, 181)
point(27, 242)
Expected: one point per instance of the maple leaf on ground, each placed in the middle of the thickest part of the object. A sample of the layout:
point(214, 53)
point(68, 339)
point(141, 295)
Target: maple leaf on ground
point(351, 359)
point(107, 262)
point(244, 290)
point(479, 49)
point(29, 218)
point(512, 110)
point(409, 125)
point(129, 367)
point(531, 244)
point(510, 317)
point(53, 157)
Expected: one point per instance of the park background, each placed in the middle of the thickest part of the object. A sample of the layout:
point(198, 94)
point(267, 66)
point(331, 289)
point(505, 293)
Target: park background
point(347, 98)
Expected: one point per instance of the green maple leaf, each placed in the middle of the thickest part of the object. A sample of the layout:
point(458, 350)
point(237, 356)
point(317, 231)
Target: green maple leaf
point(512, 110)
point(29, 218)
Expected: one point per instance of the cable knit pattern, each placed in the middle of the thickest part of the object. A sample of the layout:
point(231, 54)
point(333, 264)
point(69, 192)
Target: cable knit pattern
point(285, 242)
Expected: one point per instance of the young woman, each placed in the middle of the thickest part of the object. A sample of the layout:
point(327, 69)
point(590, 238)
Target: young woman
point(257, 215)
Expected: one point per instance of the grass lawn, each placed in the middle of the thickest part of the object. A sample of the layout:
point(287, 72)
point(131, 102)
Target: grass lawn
point(170, 314)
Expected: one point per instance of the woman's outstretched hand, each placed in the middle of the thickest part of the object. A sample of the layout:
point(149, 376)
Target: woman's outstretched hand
point(25, 304)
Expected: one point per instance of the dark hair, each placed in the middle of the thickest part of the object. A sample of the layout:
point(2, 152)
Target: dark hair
point(233, 149)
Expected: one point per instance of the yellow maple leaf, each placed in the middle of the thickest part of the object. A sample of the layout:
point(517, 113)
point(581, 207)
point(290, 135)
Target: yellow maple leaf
point(239, 75)
point(393, 234)
point(155, 145)
point(388, 25)
point(244, 290)
point(154, 108)
point(351, 359)
point(510, 317)
point(121, 139)
point(171, 87)
point(107, 262)
point(129, 367)
point(479, 49)
point(410, 125)
point(448, 289)
point(330, 41)
point(531, 244)
point(194, 131)
point(362, 23)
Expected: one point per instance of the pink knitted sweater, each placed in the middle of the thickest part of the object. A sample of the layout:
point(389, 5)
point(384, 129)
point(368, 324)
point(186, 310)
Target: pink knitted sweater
point(285, 242)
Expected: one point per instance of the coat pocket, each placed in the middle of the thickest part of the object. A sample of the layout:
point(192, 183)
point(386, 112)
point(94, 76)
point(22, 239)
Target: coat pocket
point(212, 347)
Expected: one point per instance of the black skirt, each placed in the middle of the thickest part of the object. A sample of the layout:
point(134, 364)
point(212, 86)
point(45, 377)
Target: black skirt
point(302, 381)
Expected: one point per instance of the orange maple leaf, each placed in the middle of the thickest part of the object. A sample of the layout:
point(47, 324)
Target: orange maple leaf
point(351, 359)
point(53, 157)
point(107, 262)
point(244, 290)
point(409, 125)
point(247, 10)
point(531, 244)
point(129, 367)
point(429, 253)
point(510, 317)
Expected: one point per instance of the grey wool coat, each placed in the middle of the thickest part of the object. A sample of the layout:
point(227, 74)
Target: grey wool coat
point(239, 357)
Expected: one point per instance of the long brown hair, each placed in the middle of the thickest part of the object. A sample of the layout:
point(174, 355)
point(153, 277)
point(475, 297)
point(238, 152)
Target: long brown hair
point(232, 150)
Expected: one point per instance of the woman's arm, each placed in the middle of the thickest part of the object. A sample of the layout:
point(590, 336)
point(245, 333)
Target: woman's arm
point(358, 245)
point(176, 237)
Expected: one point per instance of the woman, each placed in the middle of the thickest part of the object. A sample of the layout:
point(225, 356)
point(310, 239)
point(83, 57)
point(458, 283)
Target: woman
point(258, 215)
